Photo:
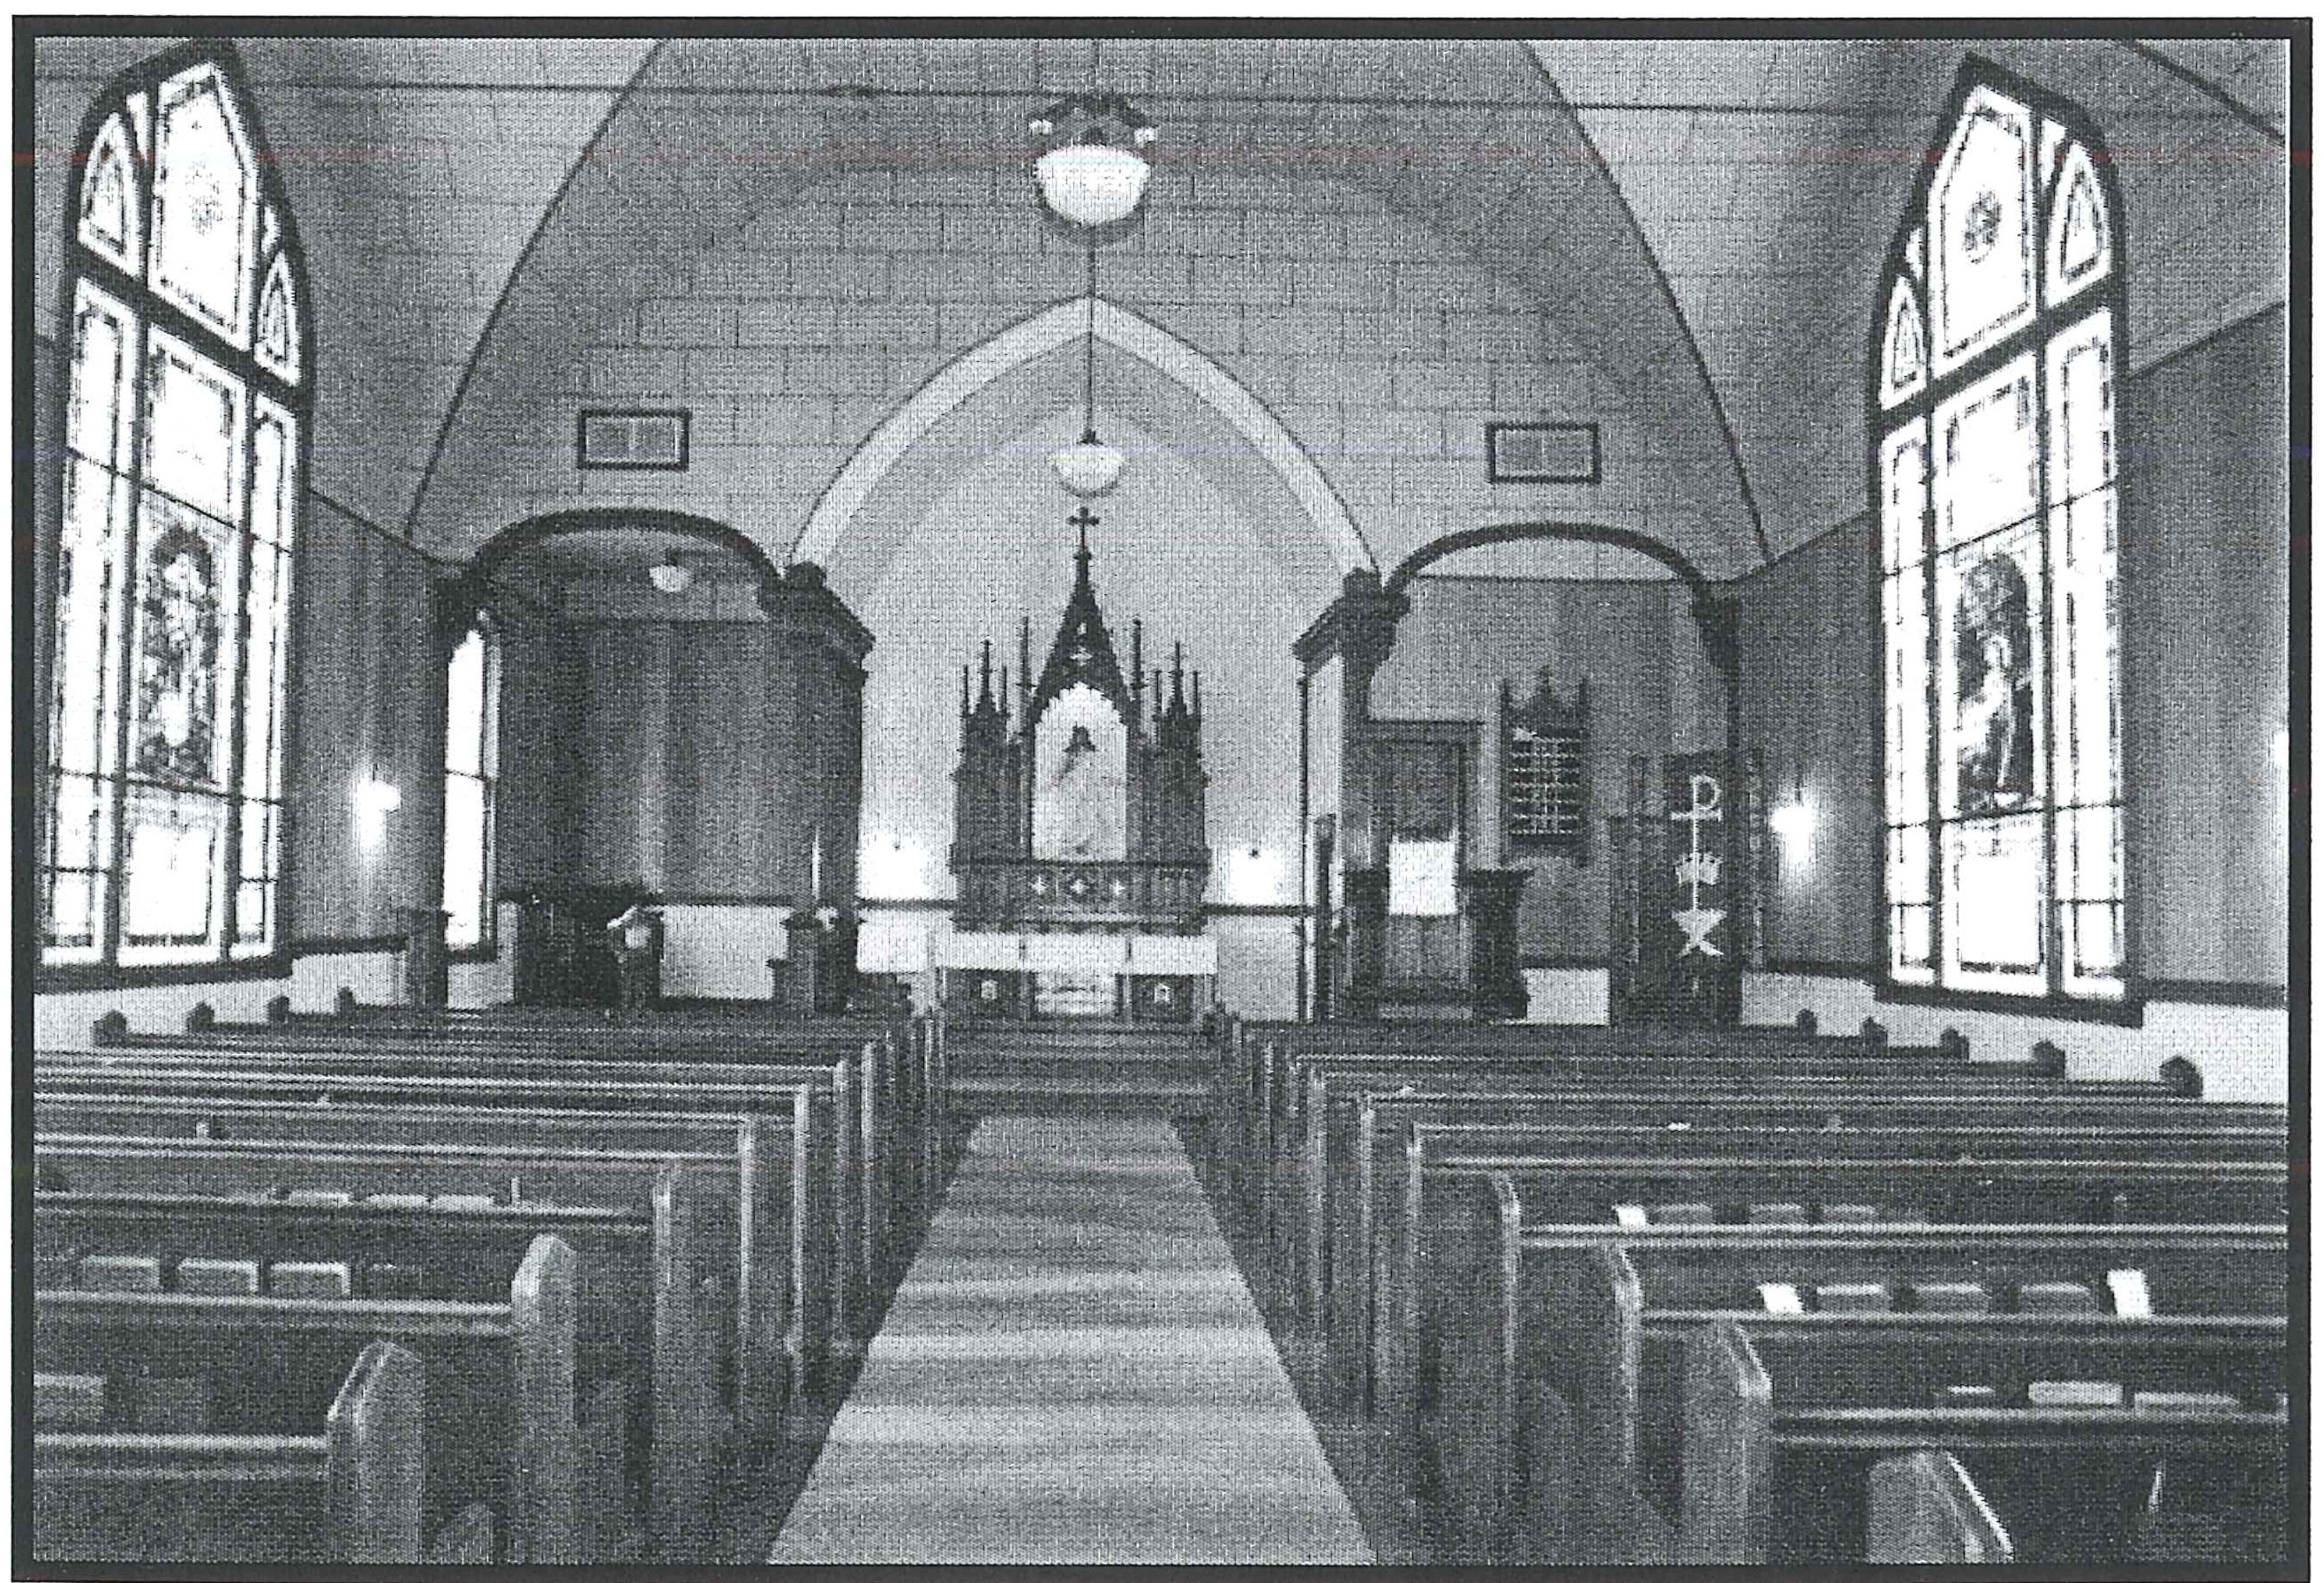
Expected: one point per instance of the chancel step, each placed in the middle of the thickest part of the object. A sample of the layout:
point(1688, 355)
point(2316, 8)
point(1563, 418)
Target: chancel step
point(1111, 1069)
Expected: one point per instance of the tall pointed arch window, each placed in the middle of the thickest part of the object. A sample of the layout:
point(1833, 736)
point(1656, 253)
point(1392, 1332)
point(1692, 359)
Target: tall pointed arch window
point(1993, 399)
point(471, 775)
point(183, 460)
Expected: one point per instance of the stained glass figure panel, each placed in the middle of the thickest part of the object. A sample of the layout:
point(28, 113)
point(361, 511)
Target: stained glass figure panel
point(202, 205)
point(181, 685)
point(1992, 751)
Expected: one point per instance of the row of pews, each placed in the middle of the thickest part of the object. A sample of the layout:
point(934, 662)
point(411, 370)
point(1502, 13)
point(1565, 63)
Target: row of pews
point(1625, 1295)
point(508, 1287)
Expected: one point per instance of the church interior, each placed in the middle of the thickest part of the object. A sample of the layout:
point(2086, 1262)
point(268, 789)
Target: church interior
point(1043, 799)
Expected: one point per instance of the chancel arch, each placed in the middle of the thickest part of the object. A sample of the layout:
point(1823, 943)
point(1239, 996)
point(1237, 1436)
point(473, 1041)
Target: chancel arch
point(1064, 326)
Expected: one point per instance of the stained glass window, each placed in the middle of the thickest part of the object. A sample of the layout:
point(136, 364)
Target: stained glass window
point(1992, 401)
point(471, 769)
point(161, 804)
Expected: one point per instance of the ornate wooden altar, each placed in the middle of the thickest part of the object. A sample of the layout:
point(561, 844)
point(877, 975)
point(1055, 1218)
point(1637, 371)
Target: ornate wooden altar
point(1081, 811)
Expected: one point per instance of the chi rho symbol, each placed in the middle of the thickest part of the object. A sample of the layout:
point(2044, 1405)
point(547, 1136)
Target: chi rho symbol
point(1699, 867)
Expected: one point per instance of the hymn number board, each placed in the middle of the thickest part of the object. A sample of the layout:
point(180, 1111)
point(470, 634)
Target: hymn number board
point(1545, 769)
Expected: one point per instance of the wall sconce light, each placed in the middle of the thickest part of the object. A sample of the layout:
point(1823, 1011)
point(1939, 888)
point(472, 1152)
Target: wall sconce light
point(374, 800)
point(2279, 751)
point(1794, 822)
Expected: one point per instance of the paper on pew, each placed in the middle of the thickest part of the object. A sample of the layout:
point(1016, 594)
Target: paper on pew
point(464, 1201)
point(1631, 1216)
point(2073, 1394)
point(2130, 1298)
point(2183, 1401)
point(331, 1196)
point(1781, 1297)
point(207, 1277)
point(397, 1201)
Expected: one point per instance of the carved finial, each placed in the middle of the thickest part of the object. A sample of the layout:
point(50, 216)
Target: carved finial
point(112, 1028)
point(202, 1018)
point(346, 1001)
point(963, 692)
point(2048, 1058)
point(1806, 1021)
point(2182, 1078)
point(984, 677)
point(278, 1010)
point(1954, 1044)
point(1025, 653)
point(1136, 652)
point(1198, 696)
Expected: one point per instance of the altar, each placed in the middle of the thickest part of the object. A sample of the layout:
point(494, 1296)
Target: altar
point(1079, 844)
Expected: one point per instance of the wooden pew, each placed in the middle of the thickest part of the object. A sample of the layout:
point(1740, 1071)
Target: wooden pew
point(1374, 1237)
point(1511, 1310)
point(861, 1067)
point(783, 1254)
point(1275, 1119)
point(1924, 1510)
point(345, 1492)
point(632, 1283)
point(1783, 1414)
point(1334, 1090)
point(498, 1397)
point(896, 1080)
point(918, 1078)
point(338, 1077)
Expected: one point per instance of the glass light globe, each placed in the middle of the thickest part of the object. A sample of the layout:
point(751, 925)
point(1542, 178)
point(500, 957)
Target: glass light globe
point(1092, 183)
point(1088, 468)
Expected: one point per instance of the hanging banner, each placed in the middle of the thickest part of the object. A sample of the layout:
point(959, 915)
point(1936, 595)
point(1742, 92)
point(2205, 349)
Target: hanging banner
point(1700, 923)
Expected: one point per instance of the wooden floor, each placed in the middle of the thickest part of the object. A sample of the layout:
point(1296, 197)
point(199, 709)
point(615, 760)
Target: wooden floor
point(1073, 1370)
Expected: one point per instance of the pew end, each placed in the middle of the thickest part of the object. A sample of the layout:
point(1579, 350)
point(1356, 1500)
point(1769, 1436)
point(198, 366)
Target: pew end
point(1926, 1509)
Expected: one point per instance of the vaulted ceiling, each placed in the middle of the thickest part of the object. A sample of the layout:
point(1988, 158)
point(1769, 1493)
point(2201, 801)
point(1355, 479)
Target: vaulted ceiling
point(1705, 219)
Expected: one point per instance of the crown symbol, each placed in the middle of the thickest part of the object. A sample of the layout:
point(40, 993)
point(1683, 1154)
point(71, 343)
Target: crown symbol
point(1699, 868)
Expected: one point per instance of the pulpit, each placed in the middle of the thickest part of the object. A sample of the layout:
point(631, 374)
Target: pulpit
point(1078, 828)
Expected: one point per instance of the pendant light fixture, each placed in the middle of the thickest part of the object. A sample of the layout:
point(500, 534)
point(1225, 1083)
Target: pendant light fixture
point(1088, 467)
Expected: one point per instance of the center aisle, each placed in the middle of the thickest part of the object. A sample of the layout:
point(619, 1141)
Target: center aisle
point(1073, 1370)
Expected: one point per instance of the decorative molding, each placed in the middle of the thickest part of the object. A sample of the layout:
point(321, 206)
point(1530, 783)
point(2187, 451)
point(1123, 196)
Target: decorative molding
point(2130, 1012)
point(1046, 331)
point(1814, 968)
point(1561, 962)
point(348, 945)
point(2215, 992)
point(74, 977)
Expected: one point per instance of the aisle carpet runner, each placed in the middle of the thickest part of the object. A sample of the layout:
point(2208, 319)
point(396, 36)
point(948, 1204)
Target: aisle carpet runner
point(1073, 1370)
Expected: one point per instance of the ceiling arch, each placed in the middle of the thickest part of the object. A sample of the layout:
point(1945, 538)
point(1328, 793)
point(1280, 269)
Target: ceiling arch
point(715, 134)
point(1063, 325)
